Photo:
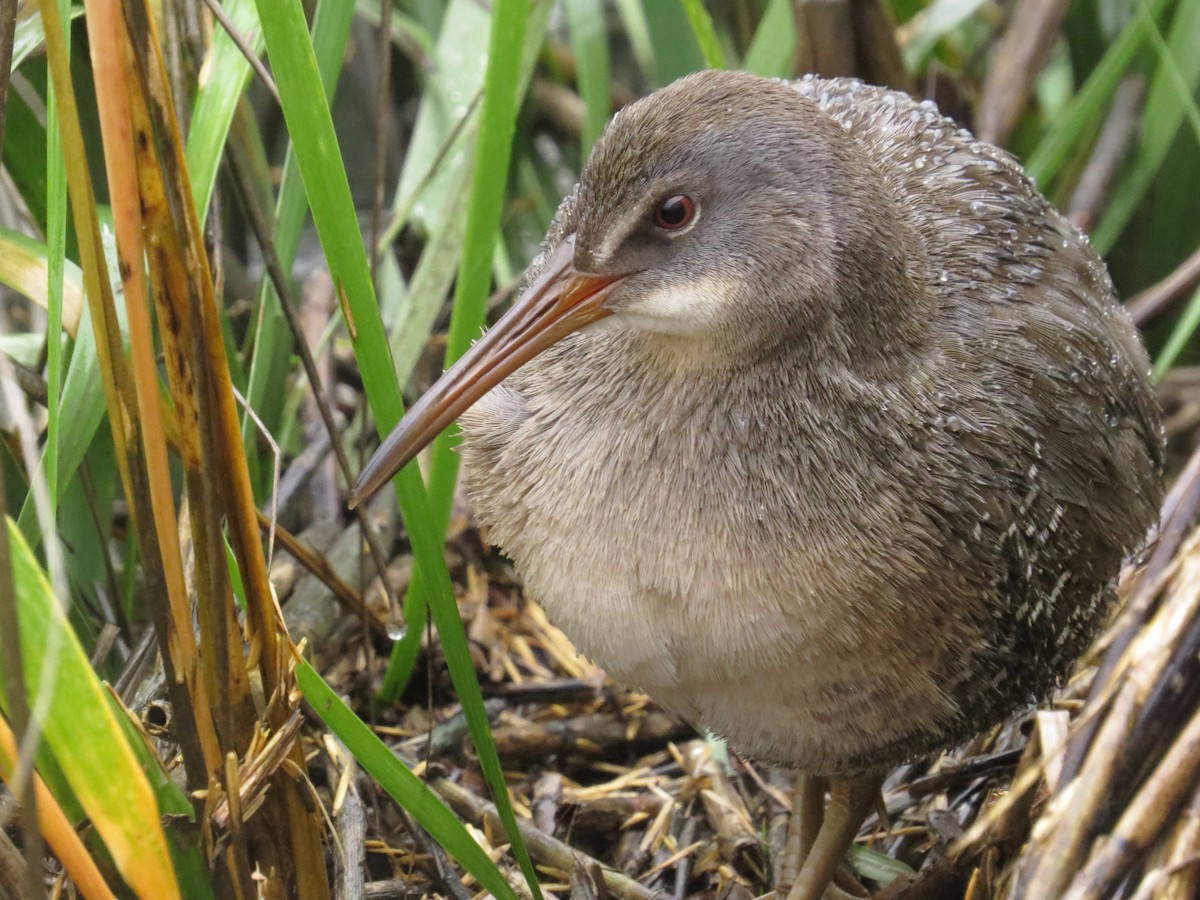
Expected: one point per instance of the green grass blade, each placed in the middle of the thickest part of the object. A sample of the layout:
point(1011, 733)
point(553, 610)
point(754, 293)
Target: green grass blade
point(1180, 336)
point(676, 52)
point(589, 42)
point(395, 778)
point(432, 193)
point(69, 700)
point(82, 407)
point(773, 49)
point(56, 239)
point(272, 336)
point(25, 267)
point(444, 471)
point(453, 86)
point(876, 866)
point(306, 112)
point(184, 840)
point(29, 37)
point(935, 22)
point(434, 188)
point(25, 157)
point(706, 34)
point(1092, 99)
point(1170, 99)
point(637, 31)
point(493, 151)
point(430, 284)
point(227, 74)
point(507, 81)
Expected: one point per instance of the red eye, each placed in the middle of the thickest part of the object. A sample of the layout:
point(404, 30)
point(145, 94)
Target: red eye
point(675, 212)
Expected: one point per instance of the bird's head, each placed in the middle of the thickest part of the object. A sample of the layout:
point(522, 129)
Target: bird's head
point(715, 202)
point(721, 215)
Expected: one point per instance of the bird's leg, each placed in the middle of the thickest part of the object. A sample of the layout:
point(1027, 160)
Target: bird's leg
point(850, 799)
point(808, 812)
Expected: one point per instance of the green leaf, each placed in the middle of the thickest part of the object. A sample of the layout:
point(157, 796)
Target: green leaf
point(637, 32)
point(425, 299)
point(404, 787)
point(83, 407)
point(29, 36)
point(1180, 336)
point(1092, 99)
point(454, 83)
point(773, 48)
point(431, 281)
point(306, 112)
point(67, 698)
point(272, 336)
point(56, 252)
point(493, 151)
point(1169, 100)
point(706, 34)
point(24, 267)
point(226, 74)
point(876, 866)
point(184, 836)
point(676, 52)
point(935, 22)
point(589, 42)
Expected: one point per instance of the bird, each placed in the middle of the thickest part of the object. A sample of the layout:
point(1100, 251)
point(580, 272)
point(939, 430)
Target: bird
point(814, 420)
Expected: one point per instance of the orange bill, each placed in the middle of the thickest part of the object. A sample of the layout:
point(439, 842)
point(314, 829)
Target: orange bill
point(562, 300)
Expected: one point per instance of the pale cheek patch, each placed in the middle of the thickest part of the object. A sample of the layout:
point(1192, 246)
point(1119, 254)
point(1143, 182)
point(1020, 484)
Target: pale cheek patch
point(684, 309)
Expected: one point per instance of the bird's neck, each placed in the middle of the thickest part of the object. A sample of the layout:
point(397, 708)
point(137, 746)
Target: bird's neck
point(873, 323)
point(693, 378)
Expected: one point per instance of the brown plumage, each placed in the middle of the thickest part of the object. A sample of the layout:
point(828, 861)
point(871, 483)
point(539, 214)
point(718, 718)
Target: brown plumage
point(847, 464)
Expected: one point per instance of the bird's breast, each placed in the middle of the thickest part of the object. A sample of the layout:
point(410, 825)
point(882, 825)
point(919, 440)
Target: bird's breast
point(692, 551)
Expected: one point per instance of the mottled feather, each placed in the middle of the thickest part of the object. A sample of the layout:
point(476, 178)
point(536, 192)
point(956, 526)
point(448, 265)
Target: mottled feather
point(881, 502)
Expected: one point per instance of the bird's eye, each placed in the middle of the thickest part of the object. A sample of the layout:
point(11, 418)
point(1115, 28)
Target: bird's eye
point(675, 212)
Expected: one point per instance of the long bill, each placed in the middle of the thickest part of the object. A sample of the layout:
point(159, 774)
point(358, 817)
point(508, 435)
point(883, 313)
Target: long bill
point(561, 301)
